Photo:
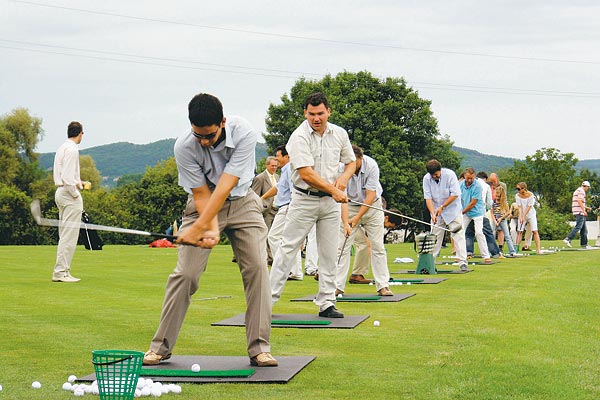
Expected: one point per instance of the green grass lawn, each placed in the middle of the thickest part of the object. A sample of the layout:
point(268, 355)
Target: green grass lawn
point(521, 329)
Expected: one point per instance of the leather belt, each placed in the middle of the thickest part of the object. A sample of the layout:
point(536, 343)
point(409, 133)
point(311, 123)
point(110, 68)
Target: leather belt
point(311, 192)
point(276, 208)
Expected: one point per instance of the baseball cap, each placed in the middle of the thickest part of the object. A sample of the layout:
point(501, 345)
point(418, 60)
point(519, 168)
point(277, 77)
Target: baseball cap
point(585, 183)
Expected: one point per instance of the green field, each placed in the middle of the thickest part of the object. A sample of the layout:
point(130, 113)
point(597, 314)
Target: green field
point(521, 329)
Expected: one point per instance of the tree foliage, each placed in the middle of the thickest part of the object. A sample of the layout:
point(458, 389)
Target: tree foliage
point(385, 117)
point(548, 173)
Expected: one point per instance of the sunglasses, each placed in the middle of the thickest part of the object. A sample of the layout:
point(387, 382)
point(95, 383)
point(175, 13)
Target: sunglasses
point(519, 189)
point(209, 136)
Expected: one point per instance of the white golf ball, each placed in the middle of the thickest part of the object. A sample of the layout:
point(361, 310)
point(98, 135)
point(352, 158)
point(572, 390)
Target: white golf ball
point(0, 388)
point(67, 386)
point(78, 392)
point(408, 283)
point(176, 389)
point(156, 392)
point(36, 385)
point(71, 378)
point(340, 295)
point(195, 368)
point(375, 323)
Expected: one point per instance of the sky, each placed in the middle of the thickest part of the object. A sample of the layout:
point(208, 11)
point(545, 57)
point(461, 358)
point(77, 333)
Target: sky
point(504, 77)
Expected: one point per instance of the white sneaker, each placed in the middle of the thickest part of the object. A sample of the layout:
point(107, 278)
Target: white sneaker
point(65, 278)
point(588, 247)
point(567, 242)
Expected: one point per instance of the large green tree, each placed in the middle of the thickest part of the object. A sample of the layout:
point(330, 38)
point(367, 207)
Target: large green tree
point(548, 173)
point(385, 117)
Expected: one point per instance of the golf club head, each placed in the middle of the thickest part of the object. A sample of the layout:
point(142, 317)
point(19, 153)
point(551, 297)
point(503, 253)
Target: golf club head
point(36, 211)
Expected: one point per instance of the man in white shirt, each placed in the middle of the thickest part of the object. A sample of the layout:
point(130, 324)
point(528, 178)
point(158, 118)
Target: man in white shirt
point(68, 200)
point(363, 187)
point(316, 149)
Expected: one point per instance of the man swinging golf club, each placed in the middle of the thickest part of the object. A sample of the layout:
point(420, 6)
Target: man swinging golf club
point(442, 196)
point(216, 164)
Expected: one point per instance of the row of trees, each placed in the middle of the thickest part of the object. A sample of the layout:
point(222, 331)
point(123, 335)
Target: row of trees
point(385, 117)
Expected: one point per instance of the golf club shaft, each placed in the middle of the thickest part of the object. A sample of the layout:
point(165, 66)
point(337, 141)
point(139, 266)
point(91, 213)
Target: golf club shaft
point(36, 212)
point(95, 227)
point(400, 215)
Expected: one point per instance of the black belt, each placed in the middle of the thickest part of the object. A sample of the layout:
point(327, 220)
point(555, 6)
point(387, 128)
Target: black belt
point(276, 208)
point(312, 192)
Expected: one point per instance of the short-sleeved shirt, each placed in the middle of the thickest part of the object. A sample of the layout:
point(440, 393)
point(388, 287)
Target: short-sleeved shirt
point(469, 193)
point(524, 203)
point(323, 153)
point(199, 166)
point(284, 187)
point(366, 179)
point(578, 194)
point(441, 190)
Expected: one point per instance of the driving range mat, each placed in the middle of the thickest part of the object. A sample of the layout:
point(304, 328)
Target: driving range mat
point(300, 321)
point(221, 369)
point(439, 271)
point(363, 298)
point(421, 281)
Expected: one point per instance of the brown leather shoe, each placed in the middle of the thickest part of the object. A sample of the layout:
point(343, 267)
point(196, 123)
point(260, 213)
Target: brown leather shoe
point(263, 360)
point(316, 276)
point(359, 279)
point(338, 292)
point(151, 358)
point(384, 291)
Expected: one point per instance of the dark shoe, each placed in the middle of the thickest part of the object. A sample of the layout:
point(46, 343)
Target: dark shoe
point(263, 360)
point(151, 358)
point(234, 260)
point(316, 276)
point(338, 292)
point(359, 279)
point(331, 312)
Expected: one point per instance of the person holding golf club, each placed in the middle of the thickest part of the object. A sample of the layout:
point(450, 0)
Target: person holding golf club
point(441, 191)
point(316, 149)
point(215, 162)
point(69, 202)
point(364, 187)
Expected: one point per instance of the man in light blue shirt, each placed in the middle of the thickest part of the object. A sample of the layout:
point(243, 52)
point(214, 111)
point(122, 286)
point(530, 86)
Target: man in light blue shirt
point(441, 191)
point(474, 209)
point(283, 197)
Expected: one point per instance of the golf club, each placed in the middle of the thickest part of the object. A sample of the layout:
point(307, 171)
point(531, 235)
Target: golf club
point(36, 212)
point(402, 216)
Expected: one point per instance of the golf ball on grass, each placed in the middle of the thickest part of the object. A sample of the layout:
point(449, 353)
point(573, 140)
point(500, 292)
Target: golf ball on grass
point(375, 323)
point(195, 368)
point(0, 388)
point(66, 386)
point(36, 385)
point(71, 378)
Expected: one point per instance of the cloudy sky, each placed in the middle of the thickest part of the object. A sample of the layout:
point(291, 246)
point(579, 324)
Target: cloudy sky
point(504, 77)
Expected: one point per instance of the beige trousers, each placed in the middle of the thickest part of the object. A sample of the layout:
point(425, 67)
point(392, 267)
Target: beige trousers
point(69, 211)
point(242, 221)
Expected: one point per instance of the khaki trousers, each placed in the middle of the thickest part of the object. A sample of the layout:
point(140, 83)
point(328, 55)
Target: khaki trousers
point(304, 211)
point(69, 211)
point(242, 221)
point(372, 222)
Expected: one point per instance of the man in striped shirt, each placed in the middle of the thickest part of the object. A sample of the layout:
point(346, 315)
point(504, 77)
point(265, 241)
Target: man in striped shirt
point(580, 212)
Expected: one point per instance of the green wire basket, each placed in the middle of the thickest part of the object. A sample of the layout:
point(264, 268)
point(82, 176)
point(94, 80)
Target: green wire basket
point(117, 372)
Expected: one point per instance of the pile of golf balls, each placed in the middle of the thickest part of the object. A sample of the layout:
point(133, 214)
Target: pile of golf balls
point(144, 387)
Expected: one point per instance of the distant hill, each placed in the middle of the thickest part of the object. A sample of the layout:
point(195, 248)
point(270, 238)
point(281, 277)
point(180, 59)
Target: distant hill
point(482, 162)
point(118, 159)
